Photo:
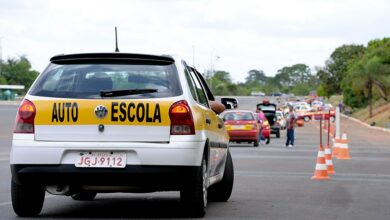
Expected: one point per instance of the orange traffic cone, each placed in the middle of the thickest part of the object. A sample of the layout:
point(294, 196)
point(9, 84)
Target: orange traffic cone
point(336, 147)
point(343, 153)
point(321, 172)
point(328, 160)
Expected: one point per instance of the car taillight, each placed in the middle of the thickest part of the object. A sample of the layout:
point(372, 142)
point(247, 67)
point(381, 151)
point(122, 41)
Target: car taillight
point(182, 122)
point(24, 122)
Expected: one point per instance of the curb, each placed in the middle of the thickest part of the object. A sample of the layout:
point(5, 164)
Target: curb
point(365, 124)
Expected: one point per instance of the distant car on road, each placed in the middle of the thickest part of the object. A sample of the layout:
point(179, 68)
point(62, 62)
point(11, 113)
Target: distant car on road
point(257, 93)
point(242, 126)
point(280, 119)
point(269, 110)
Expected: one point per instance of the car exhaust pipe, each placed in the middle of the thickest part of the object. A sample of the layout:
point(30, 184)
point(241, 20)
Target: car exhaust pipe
point(58, 189)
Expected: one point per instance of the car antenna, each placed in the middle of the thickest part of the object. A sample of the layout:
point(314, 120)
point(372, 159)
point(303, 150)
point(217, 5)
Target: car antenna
point(116, 41)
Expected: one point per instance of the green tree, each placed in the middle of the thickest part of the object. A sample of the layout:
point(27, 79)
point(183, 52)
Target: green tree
point(256, 76)
point(3, 81)
point(221, 83)
point(296, 78)
point(336, 66)
point(18, 72)
point(371, 71)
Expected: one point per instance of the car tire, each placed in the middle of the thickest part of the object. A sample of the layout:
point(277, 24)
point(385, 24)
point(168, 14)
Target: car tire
point(255, 143)
point(306, 118)
point(278, 134)
point(27, 200)
point(194, 195)
point(84, 196)
point(221, 192)
point(268, 140)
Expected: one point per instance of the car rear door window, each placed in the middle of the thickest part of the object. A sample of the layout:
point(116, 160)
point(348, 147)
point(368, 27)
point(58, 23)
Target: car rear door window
point(199, 89)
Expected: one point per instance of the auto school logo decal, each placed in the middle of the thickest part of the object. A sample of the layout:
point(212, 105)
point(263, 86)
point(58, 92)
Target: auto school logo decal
point(101, 111)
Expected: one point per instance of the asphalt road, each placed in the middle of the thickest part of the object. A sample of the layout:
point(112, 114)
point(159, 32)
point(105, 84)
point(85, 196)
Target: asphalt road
point(271, 182)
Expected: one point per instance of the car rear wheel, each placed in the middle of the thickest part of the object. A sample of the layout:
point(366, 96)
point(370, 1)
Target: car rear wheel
point(220, 192)
point(306, 118)
point(27, 200)
point(84, 196)
point(194, 195)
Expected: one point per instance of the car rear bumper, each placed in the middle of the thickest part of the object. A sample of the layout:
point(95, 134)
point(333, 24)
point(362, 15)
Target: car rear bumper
point(266, 133)
point(174, 153)
point(275, 129)
point(250, 135)
point(153, 178)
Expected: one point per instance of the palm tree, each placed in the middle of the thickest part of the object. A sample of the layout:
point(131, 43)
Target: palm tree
point(369, 73)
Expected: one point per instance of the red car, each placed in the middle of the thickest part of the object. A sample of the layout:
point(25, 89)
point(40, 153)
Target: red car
point(242, 126)
point(266, 132)
point(317, 116)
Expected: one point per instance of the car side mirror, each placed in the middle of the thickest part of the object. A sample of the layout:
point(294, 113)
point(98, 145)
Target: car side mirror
point(229, 103)
point(217, 107)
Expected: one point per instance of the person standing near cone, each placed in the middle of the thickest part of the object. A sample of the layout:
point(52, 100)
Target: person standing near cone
point(290, 125)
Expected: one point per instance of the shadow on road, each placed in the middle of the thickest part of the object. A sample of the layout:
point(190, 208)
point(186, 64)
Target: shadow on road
point(118, 208)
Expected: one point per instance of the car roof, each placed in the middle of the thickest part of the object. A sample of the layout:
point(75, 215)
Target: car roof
point(112, 57)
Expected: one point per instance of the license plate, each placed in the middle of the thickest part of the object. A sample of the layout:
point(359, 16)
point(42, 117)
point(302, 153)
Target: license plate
point(101, 160)
point(238, 127)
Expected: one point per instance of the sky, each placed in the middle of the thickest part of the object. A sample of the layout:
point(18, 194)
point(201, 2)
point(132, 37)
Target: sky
point(235, 36)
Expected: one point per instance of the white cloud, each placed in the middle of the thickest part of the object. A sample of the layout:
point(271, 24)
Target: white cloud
point(245, 34)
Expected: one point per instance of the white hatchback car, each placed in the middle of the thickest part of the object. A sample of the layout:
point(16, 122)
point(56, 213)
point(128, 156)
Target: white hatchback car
point(116, 122)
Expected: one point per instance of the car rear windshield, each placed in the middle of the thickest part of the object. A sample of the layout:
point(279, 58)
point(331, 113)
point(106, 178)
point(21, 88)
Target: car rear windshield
point(238, 116)
point(87, 81)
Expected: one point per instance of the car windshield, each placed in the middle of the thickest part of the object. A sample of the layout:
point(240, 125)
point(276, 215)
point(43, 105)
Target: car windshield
point(89, 80)
point(238, 116)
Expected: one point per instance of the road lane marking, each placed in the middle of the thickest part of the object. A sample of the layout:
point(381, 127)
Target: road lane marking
point(4, 159)
point(10, 203)
point(292, 157)
point(380, 178)
point(5, 203)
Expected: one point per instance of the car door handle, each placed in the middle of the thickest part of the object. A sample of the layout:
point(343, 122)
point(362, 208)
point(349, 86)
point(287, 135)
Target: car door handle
point(208, 121)
point(219, 125)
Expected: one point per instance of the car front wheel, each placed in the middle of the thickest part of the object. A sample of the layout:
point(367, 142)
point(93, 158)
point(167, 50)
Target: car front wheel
point(306, 118)
point(27, 200)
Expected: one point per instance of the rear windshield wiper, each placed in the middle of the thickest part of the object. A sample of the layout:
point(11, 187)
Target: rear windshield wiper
point(115, 93)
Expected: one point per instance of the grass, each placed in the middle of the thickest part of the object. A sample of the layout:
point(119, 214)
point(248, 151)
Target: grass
point(380, 111)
